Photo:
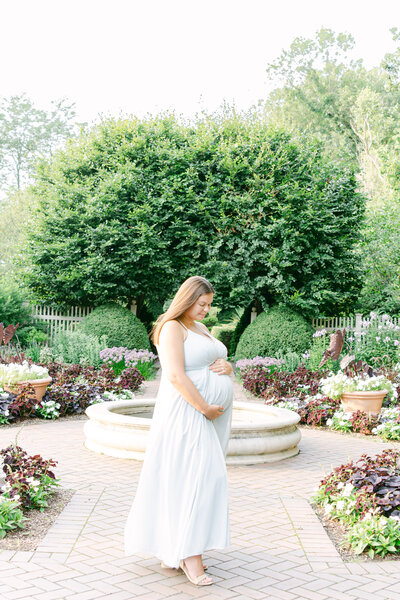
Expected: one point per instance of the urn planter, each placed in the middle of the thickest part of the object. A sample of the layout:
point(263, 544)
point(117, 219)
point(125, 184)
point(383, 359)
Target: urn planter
point(39, 387)
point(369, 402)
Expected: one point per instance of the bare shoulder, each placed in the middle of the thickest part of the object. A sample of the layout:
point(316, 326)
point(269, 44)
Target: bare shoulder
point(172, 329)
point(202, 326)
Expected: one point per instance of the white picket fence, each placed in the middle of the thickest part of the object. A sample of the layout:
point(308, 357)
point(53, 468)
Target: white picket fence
point(60, 320)
point(68, 320)
point(356, 324)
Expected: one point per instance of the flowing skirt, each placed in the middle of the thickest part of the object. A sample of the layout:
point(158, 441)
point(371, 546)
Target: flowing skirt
point(181, 504)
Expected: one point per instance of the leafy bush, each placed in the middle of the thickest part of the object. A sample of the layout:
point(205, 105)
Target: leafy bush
point(27, 335)
point(224, 334)
point(277, 331)
point(120, 326)
point(291, 362)
point(11, 515)
point(74, 347)
point(12, 306)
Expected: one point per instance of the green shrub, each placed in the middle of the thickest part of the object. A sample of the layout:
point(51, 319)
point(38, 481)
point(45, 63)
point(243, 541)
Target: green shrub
point(211, 319)
point(277, 331)
point(291, 361)
point(224, 333)
point(12, 307)
point(75, 347)
point(27, 335)
point(120, 326)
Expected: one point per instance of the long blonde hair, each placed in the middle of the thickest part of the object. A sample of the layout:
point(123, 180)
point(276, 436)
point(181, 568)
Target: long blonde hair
point(188, 293)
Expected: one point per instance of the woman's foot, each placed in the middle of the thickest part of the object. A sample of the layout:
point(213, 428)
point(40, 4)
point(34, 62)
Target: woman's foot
point(193, 568)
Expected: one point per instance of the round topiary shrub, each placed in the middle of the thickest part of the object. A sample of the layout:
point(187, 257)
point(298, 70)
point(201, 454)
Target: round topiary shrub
point(118, 324)
point(275, 332)
point(224, 333)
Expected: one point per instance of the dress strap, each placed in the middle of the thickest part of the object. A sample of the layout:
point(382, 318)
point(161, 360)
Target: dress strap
point(182, 324)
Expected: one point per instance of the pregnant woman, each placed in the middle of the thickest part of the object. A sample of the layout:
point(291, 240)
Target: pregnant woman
point(181, 505)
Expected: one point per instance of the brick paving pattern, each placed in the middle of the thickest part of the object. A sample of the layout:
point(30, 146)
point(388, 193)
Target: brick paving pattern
point(279, 549)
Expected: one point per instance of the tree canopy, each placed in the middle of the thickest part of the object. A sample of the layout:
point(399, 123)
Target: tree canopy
point(133, 207)
point(26, 133)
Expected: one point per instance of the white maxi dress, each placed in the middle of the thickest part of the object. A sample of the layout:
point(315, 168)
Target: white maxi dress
point(181, 503)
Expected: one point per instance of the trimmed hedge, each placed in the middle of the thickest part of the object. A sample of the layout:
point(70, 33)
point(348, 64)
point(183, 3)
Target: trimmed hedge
point(224, 333)
point(118, 324)
point(275, 332)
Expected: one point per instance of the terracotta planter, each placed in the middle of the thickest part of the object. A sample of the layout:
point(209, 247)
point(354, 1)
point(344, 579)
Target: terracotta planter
point(39, 386)
point(369, 402)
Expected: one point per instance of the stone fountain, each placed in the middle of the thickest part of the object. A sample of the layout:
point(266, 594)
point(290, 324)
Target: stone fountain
point(260, 433)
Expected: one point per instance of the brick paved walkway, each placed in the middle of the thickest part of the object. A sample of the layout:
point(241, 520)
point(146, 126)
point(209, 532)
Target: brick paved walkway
point(279, 549)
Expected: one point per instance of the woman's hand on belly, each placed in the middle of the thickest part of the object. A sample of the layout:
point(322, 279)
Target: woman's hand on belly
point(221, 367)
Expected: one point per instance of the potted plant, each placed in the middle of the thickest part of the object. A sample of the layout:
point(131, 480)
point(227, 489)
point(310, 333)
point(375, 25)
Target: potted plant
point(18, 371)
point(357, 385)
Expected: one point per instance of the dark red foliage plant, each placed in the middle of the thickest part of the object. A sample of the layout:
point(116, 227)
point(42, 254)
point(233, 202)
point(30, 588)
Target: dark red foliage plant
point(377, 480)
point(24, 403)
point(316, 412)
point(282, 384)
point(130, 379)
point(362, 422)
point(19, 468)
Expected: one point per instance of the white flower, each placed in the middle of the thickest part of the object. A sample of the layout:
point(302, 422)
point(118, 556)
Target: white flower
point(340, 505)
point(348, 489)
point(340, 485)
point(328, 508)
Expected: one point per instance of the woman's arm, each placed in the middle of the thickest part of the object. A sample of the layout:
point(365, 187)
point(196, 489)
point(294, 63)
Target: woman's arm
point(171, 349)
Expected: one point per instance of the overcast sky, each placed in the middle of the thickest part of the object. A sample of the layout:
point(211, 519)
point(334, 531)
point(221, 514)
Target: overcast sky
point(140, 56)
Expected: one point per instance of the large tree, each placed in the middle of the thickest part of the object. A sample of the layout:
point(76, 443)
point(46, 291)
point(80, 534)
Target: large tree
point(133, 207)
point(355, 111)
point(28, 132)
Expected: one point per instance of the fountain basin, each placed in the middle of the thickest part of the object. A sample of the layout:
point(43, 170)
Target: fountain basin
point(260, 433)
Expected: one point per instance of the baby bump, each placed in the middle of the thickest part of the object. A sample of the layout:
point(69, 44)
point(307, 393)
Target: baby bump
point(215, 389)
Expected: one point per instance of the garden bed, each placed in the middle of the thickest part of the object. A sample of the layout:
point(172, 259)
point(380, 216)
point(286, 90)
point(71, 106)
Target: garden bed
point(29, 537)
point(337, 534)
point(361, 501)
point(304, 392)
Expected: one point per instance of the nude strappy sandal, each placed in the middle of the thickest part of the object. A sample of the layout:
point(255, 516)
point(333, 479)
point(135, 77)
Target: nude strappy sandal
point(164, 566)
point(200, 580)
